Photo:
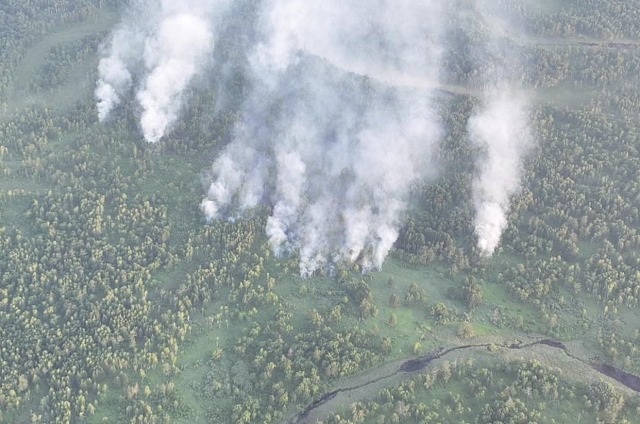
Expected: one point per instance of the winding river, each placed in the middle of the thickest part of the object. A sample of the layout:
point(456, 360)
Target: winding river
point(418, 364)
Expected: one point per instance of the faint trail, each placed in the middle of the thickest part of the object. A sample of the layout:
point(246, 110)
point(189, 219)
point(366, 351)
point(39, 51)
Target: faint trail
point(400, 79)
point(404, 80)
point(585, 42)
point(506, 30)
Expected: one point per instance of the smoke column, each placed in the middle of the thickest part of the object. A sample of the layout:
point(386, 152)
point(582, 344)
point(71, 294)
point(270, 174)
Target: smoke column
point(501, 129)
point(335, 154)
point(157, 50)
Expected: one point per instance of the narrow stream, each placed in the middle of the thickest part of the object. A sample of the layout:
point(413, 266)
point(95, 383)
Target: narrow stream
point(414, 365)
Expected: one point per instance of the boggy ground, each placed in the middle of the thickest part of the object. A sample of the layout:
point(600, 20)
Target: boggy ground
point(552, 353)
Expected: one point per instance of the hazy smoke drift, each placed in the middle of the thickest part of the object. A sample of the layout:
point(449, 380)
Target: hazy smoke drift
point(157, 51)
point(502, 129)
point(334, 155)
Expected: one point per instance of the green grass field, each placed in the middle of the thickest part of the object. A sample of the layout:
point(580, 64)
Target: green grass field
point(78, 85)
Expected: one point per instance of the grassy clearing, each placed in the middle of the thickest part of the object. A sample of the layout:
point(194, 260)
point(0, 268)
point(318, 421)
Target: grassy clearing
point(12, 215)
point(33, 187)
point(588, 249)
point(193, 361)
point(79, 86)
point(498, 304)
point(431, 279)
point(19, 96)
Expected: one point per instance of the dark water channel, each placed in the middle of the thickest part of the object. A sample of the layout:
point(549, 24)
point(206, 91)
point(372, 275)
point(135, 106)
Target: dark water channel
point(414, 365)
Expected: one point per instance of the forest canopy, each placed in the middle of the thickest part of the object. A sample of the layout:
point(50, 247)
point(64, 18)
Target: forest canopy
point(126, 299)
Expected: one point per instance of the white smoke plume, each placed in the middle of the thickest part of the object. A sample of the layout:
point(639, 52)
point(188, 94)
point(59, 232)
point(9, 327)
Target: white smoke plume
point(157, 50)
point(335, 154)
point(502, 130)
point(115, 77)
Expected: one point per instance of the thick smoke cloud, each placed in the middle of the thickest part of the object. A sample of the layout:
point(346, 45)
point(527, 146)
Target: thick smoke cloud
point(338, 121)
point(334, 153)
point(157, 51)
point(501, 129)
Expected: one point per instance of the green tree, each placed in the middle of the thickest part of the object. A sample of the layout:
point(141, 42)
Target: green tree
point(393, 321)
